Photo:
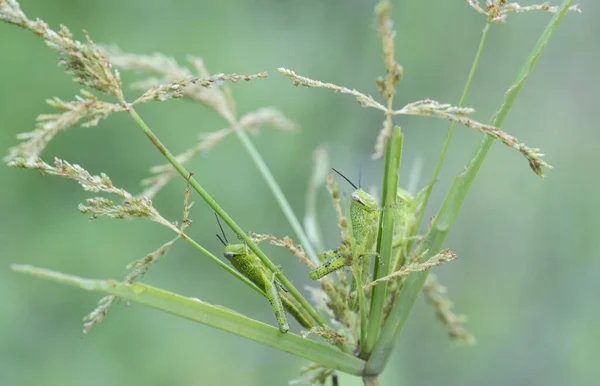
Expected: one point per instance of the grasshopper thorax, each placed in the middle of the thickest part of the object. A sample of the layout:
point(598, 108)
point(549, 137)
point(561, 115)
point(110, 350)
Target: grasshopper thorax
point(364, 200)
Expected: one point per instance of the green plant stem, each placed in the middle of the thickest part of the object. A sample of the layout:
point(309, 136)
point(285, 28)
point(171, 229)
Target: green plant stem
point(442, 154)
point(279, 196)
point(361, 302)
point(210, 315)
point(371, 380)
point(449, 210)
point(317, 179)
point(357, 275)
point(385, 238)
point(228, 220)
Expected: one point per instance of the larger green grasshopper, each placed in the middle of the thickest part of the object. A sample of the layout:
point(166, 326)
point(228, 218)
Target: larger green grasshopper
point(364, 216)
point(248, 264)
point(405, 222)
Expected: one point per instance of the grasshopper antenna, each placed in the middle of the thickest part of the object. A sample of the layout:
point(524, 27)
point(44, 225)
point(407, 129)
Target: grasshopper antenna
point(221, 240)
point(222, 232)
point(344, 177)
point(360, 176)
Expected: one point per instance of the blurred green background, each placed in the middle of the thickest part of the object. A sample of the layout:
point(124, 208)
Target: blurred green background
point(528, 267)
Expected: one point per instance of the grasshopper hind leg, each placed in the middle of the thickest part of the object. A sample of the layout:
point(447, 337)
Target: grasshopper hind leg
point(275, 300)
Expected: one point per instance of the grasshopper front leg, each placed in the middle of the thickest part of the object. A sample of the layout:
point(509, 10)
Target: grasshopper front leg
point(333, 261)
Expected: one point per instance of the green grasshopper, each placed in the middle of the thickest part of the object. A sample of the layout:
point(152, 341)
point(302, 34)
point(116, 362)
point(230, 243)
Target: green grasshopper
point(364, 216)
point(405, 215)
point(248, 264)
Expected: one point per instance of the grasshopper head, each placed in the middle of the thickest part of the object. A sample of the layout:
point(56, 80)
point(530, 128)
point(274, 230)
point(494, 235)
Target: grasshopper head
point(405, 201)
point(233, 250)
point(403, 196)
point(364, 200)
point(359, 197)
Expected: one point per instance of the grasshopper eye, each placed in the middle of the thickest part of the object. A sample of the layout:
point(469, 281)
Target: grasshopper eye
point(228, 254)
point(355, 197)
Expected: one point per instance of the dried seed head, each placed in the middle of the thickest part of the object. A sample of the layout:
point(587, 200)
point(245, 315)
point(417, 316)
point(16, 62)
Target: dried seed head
point(85, 111)
point(497, 10)
point(387, 85)
point(428, 108)
point(84, 61)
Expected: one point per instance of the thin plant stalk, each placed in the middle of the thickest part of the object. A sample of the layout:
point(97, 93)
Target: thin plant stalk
point(449, 210)
point(272, 184)
point(228, 220)
point(442, 154)
point(371, 380)
point(279, 196)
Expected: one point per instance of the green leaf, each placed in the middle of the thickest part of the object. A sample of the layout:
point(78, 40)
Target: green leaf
point(384, 239)
point(210, 315)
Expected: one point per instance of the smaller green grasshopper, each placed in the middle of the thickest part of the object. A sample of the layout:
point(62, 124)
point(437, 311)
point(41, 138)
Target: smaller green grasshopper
point(364, 216)
point(248, 264)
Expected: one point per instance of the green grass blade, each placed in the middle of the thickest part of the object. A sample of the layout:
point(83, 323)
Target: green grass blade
point(449, 210)
point(384, 239)
point(210, 315)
